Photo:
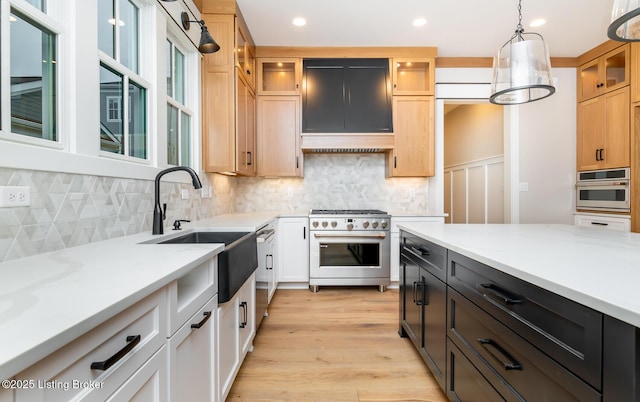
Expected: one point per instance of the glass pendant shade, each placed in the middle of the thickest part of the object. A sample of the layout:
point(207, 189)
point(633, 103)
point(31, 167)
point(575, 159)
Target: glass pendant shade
point(625, 21)
point(521, 71)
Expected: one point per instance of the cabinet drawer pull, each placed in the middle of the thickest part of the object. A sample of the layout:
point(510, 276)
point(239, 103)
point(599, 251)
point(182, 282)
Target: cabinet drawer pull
point(243, 305)
point(132, 341)
point(512, 365)
point(207, 315)
point(421, 250)
point(501, 294)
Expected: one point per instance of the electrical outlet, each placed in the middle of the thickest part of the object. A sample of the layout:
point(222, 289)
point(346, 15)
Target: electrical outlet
point(412, 193)
point(15, 196)
point(289, 193)
point(184, 193)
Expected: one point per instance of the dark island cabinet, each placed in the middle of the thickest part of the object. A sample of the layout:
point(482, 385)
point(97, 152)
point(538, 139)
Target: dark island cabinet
point(423, 301)
point(489, 336)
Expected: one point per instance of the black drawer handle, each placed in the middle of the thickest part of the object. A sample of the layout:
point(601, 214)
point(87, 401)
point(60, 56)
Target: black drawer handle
point(207, 315)
point(243, 306)
point(421, 250)
point(501, 294)
point(132, 341)
point(513, 365)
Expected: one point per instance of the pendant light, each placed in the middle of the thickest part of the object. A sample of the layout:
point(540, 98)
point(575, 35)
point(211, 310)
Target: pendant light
point(625, 21)
point(521, 69)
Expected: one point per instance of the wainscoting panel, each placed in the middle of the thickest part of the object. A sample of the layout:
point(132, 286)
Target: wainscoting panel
point(474, 191)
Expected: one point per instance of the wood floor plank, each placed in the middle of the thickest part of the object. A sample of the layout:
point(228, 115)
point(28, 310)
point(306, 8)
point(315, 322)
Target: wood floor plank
point(340, 344)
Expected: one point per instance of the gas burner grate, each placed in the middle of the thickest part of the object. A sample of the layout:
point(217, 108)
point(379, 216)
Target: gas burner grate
point(347, 212)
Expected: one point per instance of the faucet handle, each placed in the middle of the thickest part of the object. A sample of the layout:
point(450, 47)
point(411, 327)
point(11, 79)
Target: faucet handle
point(176, 223)
point(164, 211)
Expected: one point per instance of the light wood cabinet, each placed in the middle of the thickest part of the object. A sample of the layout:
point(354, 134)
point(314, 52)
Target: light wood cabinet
point(604, 74)
point(603, 139)
point(245, 59)
point(245, 129)
point(228, 98)
point(414, 152)
point(279, 76)
point(413, 76)
point(278, 136)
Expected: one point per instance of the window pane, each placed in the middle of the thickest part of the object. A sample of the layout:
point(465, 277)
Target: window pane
point(111, 124)
point(129, 35)
point(39, 4)
point(106, 27)
point(185, 139)
point(172, 135)
point(33, 80)
point(179, 76)
point(137, 121)
point(169, 69)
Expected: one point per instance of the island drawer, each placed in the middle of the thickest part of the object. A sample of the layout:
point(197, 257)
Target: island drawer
point(517, 369)
point(463, 381)
point(428, 255)
point(568, 332)
point(99, 362)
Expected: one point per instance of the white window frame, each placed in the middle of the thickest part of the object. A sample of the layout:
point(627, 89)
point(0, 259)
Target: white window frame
point(48, 22)
point(189, 71)
point(78, 148)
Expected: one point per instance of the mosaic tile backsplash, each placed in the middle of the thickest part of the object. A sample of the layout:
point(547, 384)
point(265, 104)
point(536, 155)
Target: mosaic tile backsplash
point(70, 210)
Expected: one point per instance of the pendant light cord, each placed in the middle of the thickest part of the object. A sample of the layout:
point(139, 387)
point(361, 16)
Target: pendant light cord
point(519, 30)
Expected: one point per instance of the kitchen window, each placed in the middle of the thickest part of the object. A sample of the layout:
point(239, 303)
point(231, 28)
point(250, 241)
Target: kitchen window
point(123, 130)
point(179, 116)
point(31, 88)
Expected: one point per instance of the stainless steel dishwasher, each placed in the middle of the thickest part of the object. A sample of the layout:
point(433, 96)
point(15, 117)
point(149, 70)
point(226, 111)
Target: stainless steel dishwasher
point(265, 281)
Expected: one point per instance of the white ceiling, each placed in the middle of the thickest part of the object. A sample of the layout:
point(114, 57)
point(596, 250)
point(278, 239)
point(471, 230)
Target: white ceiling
point(460, 28)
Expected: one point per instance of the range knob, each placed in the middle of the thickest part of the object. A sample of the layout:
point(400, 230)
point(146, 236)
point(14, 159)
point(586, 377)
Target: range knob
point(384, 224)
point(374, 224)
point(315, 224)
point(334, 224)
point(324, 224)
point(365, 224)
point(350, 226)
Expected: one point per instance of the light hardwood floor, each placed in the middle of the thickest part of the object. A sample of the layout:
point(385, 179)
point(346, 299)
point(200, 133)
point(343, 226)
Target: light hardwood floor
point(340, 344)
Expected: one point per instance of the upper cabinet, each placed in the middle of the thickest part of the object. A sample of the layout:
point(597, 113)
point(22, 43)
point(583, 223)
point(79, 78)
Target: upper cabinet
point(604, 74)
point(245, 56)
point(279, 76)
point(228, 98)
point(413, 76)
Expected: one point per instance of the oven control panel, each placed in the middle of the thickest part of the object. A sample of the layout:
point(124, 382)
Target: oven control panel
point(349, 223)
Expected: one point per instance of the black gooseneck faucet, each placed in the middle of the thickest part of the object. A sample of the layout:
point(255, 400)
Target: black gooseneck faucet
point(158, 212)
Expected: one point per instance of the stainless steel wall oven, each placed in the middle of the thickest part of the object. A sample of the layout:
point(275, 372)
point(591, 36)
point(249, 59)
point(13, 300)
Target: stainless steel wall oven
point(349, 248)
point(604, 190)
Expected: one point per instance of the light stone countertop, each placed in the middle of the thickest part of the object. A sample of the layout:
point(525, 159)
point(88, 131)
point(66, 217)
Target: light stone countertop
point(48, 300)
point(598, 268)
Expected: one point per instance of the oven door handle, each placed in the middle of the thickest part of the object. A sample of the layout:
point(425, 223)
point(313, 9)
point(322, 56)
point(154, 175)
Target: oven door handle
point(379, 235)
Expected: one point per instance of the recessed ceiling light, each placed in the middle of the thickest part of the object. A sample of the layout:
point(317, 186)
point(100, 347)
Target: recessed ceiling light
point(537, 22)
point(418, 22)
point(299, 22)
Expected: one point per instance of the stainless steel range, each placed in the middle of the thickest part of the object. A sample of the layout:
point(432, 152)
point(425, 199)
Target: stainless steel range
point(349, 248)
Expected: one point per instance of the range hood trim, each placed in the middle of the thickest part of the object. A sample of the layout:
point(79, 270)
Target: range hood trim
point(347, 143)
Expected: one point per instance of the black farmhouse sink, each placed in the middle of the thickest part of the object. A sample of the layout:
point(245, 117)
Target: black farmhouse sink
point(235, 264)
